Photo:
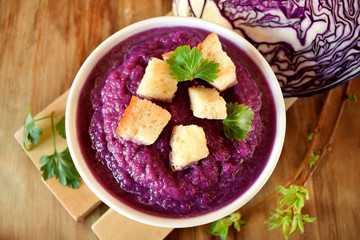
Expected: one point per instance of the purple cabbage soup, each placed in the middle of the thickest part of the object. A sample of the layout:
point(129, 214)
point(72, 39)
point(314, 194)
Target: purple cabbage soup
point(140, 175)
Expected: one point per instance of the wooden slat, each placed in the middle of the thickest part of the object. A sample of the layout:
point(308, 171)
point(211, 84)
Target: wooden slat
point(114, 226)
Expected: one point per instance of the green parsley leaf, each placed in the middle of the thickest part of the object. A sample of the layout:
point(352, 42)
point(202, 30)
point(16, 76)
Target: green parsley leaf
point(221, 227)
point(58, 164)
point(187, 64)
point(238, 121)
point(60, 127)
point(62, 166)
point(207, 70)
point(48, 166)
point(31, 132)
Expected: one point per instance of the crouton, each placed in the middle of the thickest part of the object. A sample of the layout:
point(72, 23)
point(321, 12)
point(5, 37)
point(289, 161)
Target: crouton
point(167, 55)
point(212, 50)
point(142, 121)
point(157, 83)
point(188, 145)
point(207, 103)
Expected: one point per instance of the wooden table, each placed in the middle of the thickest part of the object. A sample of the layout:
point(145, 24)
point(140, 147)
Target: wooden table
point(43, 44)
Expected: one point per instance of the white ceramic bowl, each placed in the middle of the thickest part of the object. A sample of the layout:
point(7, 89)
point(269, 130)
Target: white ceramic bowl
point(96, 187)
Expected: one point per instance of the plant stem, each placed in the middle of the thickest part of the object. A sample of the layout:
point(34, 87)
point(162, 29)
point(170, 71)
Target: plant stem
point(258, 203)
point(303, 167)
point(317, 130)
point(53, 130)
point(39, 119)
point(324, 149)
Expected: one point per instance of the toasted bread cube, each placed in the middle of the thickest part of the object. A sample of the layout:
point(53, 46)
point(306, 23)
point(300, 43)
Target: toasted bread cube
point(167, 55)
point(207, 103)
point(212, 50)
point(188, 145)
point(157, 83)
point(142, 121)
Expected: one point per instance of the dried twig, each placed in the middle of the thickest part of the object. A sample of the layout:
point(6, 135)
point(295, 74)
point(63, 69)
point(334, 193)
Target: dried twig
point(317, 130)
point(303, 167)
point(324, 149)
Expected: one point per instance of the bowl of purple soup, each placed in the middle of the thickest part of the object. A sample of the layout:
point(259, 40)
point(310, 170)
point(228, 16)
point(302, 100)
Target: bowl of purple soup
point(137, 180)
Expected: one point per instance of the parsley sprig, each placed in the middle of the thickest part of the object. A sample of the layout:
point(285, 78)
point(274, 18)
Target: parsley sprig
point(59, 164)
point(238, 121)
point(31, 133)
point(288, 212)
point(187, 64)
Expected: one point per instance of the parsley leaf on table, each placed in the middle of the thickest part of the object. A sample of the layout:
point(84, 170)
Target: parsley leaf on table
point(58, 164)
point(60, 127)
point(62, 166)
point(187, 64)
point(31, 132)
point(238, 121)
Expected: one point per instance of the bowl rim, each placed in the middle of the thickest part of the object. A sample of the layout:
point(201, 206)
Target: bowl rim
point(123, 208)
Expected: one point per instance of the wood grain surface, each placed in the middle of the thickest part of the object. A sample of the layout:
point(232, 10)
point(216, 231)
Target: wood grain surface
point(106, 228)
point(44, 43)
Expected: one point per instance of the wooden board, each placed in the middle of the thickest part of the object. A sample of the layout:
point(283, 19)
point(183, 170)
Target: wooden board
point(78, 202)
point(114, 226)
